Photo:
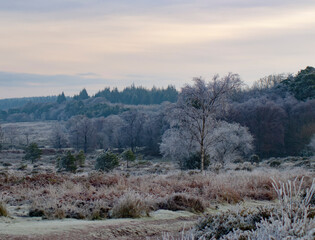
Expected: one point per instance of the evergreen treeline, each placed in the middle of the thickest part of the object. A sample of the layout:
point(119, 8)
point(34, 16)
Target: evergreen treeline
point(103, 104)
point(139, 95)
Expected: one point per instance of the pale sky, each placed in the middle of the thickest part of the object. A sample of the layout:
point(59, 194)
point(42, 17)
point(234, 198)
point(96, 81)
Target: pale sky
point(47, 47)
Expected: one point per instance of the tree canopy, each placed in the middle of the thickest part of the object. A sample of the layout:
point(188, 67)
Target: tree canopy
point(302, 86)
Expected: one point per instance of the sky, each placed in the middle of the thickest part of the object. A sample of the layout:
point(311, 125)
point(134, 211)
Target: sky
point(47, 47)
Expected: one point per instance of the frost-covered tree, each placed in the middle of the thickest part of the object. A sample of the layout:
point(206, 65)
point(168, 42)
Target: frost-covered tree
point(229, 142)
point(11, 133)
point(226, 143)
point(82, 133)
point(177, 145)
point(59, 137)
point(198, 107)
point(109, 131)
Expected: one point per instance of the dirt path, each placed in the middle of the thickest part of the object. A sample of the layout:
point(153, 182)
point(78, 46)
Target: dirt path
point(121, 229)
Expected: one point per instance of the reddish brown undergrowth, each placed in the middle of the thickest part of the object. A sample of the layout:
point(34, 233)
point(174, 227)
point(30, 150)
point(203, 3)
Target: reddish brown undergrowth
point(93, 196)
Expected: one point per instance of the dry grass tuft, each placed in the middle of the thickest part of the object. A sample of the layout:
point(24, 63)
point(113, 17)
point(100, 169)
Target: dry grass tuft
point(3, 210)
point(130, 205)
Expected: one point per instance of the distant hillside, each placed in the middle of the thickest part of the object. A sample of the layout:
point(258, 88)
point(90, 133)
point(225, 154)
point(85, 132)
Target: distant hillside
point(103, 104)
point(9, 103)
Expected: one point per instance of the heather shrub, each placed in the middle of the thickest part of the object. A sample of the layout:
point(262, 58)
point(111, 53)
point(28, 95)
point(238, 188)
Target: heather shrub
point(130, 205)
point(292, 218)
point(215, 226)
point(183, 202)
point(254, 158)
point(77, 209)
point(3, 210)
point(107, 161)
point(275, 163)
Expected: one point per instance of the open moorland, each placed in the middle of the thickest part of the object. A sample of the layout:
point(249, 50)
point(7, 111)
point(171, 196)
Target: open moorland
point(42, 202)
point(213, 161)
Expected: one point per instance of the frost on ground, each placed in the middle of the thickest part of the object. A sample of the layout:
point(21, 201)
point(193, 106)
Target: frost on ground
point(55, 199)
point(159, 221)
point(293, 217)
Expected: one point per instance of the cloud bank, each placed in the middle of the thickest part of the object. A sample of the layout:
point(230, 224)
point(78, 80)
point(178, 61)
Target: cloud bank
point(150, 42)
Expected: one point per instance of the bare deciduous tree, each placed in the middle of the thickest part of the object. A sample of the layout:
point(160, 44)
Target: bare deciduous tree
point(199, 106)
point(11, 134)
point(134, 121)
point(59, 138)
point(27, 134)
point(81, 130)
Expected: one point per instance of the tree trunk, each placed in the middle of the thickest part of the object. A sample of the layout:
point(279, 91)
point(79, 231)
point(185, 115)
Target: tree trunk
point(202, 150)
point(85, 144)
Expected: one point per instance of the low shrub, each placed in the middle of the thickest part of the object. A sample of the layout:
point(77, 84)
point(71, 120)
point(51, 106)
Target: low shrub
point(80, 158)
point(291, 218)
point(130, 205)
point(22, 167)
point(215, 226)
point(183, 202)
point(36, 212)
point(70, 162)
point(194, 162)
point(107, 161)
point(275, 163)
point(32, 152)
point(254, 158)
point(67, 162)
point(7, 164)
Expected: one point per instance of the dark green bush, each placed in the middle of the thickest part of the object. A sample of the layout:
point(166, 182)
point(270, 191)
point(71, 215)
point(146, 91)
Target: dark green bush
point(128, 156)
point(70, 162)
point(32, 152)
point(67, 162)
point(80, 158)
point(254, 158)
point(275, 163)
point(36, 213)
point(194, 162)
point(107, 161)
